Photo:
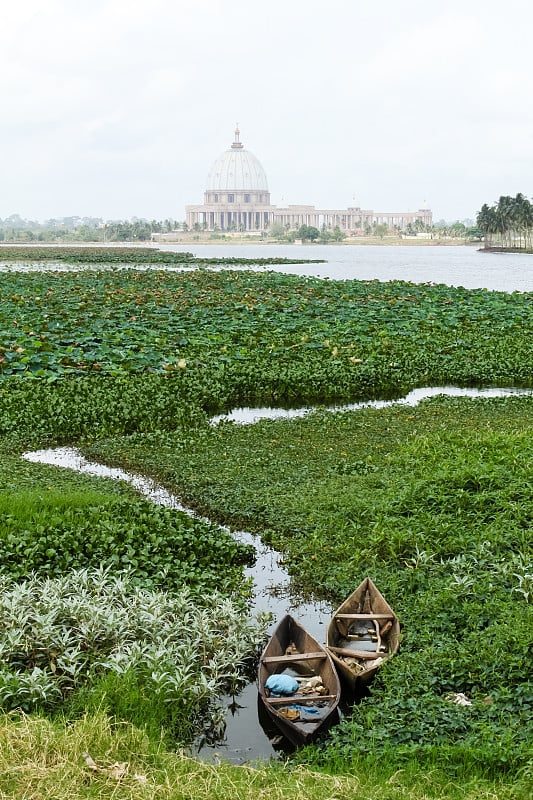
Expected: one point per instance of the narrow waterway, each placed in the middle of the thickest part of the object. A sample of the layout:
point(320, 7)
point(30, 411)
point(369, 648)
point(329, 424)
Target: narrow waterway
point(245, 739)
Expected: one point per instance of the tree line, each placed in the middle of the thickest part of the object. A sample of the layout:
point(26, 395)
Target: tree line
point(16, 229)
point(507, 224)
point(84, 229)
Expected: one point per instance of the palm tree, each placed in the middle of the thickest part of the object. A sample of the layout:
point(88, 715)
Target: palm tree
point(524, 216)
point(510, 220)
point(486, 222)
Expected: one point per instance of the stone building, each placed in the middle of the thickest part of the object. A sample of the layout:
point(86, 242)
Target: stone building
point(237, 199)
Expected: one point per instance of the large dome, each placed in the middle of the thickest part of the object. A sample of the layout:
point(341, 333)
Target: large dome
point(237, 170)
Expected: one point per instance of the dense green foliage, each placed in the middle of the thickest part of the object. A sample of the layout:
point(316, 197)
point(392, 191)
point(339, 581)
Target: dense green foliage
point(433, 502)
point(436, 503)
point(507, 224)
point(156, 546)
point(136, 649)
point(268, 336)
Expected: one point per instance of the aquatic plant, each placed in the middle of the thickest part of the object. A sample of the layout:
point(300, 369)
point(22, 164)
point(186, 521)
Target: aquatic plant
point(50, 534)
point(433, 502)
point(181, 650)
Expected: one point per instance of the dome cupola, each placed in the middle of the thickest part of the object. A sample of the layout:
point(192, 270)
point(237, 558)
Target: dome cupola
point(237, 170)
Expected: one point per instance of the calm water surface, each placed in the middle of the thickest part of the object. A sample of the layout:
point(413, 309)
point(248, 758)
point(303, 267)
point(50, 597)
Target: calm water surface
point(452, 265)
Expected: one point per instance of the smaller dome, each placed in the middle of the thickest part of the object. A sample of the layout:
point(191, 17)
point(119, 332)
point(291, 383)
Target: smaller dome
point(237, 170)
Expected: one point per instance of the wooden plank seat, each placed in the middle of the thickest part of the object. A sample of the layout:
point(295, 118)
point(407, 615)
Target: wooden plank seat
point(345, 651)
point(364, 616)
point(300, 699)
point(293, 657)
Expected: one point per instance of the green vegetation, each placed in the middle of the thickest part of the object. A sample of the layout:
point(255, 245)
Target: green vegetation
point(84, 229)
point(436, 504)
point(433, 502)
point(151, 657)
point(40, 758)
point(49, 536)
point(265, 336)
point(507, 224)
point(130, 256)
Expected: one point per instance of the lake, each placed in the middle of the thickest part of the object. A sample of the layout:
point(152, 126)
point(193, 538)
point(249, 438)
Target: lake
point(452, 265)
point(245, 738)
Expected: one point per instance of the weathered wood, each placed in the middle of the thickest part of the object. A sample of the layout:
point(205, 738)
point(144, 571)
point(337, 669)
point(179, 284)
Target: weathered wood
point(293, 657)
point(363, 616)
point(366, 603)
point(345, 651)
point(290, 634)
point(300, 699)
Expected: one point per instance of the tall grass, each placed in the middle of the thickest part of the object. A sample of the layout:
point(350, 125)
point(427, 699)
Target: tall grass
point(47, 505)
point(96, 758)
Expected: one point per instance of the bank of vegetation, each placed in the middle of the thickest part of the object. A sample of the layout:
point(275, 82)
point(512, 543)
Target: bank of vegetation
point(74, 230)
point(109, 645)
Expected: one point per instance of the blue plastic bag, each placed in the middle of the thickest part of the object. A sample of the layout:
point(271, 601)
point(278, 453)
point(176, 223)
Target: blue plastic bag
point(281, 684)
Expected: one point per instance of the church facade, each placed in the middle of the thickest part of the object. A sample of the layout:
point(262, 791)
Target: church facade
point(237, 199)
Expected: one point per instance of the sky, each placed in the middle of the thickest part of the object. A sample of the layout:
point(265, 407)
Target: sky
point(118, 108)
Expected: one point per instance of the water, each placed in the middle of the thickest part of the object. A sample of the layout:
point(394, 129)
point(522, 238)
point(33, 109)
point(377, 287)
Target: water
point(247, 416)
point(451, 265)
point(246, 739)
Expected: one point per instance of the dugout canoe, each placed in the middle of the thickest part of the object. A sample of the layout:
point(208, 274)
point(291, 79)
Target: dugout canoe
point(293, 651)
point(362, 634)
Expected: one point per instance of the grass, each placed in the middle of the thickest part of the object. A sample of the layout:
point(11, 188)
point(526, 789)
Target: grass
point(40, 758)
point(433, 502)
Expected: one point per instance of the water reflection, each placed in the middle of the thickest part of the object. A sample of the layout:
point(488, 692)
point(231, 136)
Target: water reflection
point(245, 740)
point(247, 416)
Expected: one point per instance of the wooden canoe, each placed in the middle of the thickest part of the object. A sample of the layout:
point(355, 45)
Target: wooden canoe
point(293, 651)
point(362, 634)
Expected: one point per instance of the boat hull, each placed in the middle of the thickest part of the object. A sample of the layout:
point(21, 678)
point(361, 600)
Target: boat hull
point(358, 656)
point(306, 659)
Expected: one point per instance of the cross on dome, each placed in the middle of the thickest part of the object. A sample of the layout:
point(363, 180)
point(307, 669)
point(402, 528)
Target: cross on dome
point(237, 145)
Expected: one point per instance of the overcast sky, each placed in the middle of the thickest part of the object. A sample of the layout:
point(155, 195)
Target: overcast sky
point(117, 108)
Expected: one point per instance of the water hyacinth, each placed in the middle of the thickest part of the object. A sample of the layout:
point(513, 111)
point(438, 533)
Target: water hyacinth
point(59, 634)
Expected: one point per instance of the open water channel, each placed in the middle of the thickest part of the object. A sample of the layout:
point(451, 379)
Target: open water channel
point(245, 739)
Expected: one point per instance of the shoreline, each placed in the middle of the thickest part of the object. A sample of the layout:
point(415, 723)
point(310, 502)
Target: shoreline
point(238, 242)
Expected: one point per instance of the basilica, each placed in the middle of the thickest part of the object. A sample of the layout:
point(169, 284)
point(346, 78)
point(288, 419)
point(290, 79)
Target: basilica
point(237, 199)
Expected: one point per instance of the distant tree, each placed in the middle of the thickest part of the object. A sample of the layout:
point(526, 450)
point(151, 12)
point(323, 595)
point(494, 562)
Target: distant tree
point(276, 231)
point(458, 230)
point(325, 234)
point(473, 233)
point(308, 233)
point(507, 223)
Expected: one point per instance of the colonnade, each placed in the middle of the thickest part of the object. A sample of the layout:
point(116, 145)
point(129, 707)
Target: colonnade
point(229, 217)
